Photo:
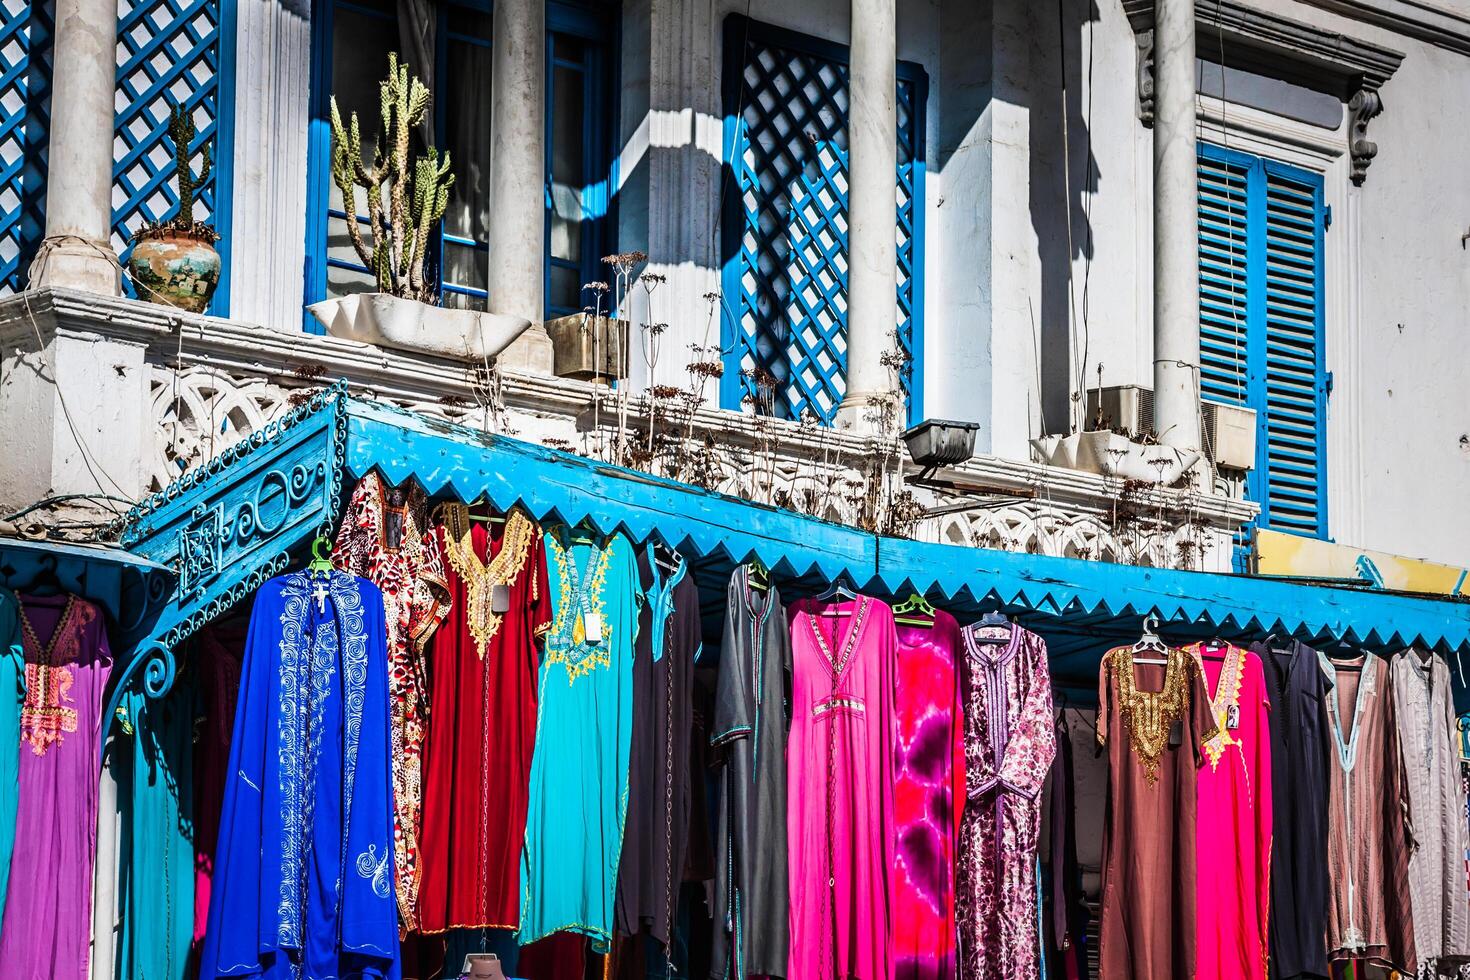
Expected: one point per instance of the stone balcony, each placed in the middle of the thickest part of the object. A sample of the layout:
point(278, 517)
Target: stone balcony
point(154, 391)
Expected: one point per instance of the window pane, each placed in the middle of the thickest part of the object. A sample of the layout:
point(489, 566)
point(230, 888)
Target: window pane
point(568, 162)
point(464, 266)
point(340, 282)
point(466, 105)
point(469, 22)
point(360, 46)
point(565, 289)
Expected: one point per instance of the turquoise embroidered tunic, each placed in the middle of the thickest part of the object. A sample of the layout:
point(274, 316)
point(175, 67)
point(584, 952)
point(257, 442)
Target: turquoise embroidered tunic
point(579, 772)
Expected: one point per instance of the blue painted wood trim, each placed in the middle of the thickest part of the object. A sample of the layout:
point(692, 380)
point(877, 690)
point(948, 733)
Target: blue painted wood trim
point(224, 152)
point(919, 78)
point(318, 166)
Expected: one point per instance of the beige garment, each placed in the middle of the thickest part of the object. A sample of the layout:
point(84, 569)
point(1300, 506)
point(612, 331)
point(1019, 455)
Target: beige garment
point(1437, 887)
point(1368, 836)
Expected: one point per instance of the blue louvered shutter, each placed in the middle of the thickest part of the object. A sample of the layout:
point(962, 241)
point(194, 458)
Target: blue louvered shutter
point(1261, 224)
point(1223, 274)
point(1295, 386)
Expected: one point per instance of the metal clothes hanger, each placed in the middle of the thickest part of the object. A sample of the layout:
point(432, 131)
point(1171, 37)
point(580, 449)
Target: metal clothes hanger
point(915, 611)
point(1150, 641)
point(994, 619)
point(838, 591)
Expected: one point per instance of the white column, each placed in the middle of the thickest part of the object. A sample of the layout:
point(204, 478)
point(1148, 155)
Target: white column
point(77, 253)
point(872, 210)
point(517, 229)
point(1176, 235)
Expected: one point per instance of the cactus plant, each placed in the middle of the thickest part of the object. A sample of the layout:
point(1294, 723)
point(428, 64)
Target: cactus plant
point(403, 203)
point(174, 261)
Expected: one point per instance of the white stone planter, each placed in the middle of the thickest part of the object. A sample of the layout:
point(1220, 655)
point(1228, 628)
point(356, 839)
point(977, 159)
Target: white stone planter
point(1110, 454)
point(385, 320)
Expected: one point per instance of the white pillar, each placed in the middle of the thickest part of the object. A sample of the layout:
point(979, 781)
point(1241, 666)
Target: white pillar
point(872, 209)
point(105, 875)
point(1176, 235)
point(517, 229)
point(77, 252)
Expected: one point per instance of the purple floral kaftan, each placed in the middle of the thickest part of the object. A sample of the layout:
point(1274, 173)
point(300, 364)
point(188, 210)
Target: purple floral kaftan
point(1010, 740)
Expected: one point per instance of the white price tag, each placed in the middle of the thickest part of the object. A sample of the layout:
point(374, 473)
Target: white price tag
point(592, 626)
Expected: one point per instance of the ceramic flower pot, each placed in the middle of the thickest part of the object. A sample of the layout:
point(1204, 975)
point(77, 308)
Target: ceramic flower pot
point(174, 268)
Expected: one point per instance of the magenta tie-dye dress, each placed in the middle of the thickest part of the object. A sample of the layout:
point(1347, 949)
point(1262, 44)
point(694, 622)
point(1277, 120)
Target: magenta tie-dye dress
point(929, 761)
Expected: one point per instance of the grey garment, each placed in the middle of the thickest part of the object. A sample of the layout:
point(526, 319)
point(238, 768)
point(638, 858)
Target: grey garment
point(1437, 889)
point(751, 925)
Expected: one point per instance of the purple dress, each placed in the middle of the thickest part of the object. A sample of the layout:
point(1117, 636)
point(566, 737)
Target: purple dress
point(1010, 740)
point(67, 662)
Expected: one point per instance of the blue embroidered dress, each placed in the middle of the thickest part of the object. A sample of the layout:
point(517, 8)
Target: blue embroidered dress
point(303, 886)
point(584, 726)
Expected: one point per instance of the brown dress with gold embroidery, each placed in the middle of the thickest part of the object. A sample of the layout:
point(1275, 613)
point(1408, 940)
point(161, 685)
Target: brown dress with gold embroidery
point(482, 669)
point(1153, 720)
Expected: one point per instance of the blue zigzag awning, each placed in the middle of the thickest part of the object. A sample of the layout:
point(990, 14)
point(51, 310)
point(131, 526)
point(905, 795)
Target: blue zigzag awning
point(1082, 606)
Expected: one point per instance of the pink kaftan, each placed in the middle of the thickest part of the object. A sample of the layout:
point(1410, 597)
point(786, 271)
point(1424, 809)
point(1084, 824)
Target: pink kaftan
point(839, 778)
point(928, 765)
point(1233, 822)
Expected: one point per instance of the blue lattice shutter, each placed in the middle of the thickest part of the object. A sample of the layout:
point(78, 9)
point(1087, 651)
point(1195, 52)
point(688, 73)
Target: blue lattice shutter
point(25, 91)
point(1260, 226)
point(171, 52)
point(785, 225)
point(1295, 392)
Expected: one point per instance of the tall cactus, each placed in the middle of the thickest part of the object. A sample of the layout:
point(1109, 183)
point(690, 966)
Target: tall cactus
point(181, 133)
point(403, 203)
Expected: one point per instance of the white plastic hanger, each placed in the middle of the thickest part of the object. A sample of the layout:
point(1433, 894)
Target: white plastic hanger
point(1150, 641)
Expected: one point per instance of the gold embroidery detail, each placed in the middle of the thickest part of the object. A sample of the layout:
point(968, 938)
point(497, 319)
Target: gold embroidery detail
point(480, 578)
point(1227, 693)
point(1148, 715)
point(560, 652)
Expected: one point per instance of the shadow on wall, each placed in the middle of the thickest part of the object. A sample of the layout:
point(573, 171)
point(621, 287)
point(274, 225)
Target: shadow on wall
point(1064, 175)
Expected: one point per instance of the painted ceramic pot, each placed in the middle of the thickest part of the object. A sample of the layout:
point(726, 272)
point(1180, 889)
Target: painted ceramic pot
point(174, 268)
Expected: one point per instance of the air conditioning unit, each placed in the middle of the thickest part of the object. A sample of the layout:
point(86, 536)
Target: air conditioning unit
point(1229, 430)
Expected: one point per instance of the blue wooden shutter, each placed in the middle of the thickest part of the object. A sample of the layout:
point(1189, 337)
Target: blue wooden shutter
point(1295, 391)
point(1260, 227)
point(25, 95)
point(1223, 275)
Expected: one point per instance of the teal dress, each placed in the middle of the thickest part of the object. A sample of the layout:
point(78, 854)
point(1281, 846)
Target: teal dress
point(584, 727)
point(12, 693)
point(155, 768)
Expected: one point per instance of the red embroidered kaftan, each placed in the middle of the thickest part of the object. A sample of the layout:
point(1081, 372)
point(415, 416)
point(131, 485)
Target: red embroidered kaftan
point(483, 666)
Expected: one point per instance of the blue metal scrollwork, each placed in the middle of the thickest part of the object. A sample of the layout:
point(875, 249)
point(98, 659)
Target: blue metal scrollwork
point(228, 526)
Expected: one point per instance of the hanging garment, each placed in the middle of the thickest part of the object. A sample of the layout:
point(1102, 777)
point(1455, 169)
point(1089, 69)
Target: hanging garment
point(659, 780)
point(67, 661)
point(303, 883)
point(477, 763)
point(1233, 818)
point(1010, 741)
point(216, 659)
point(1065, 918)
point(152, 758)
point(12, 697)
point(751, 910)
point(1437, 864)
point(929, 762)
point(839, 789)
point(1299, 763)
point(1154, 720)
point(579, 776)
point(382, 539)
point(1369, 916)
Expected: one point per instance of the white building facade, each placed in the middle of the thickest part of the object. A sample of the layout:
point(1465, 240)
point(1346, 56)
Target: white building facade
point(849, 216)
